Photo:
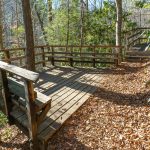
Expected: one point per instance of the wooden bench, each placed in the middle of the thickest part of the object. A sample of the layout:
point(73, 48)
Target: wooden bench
point(19, 94)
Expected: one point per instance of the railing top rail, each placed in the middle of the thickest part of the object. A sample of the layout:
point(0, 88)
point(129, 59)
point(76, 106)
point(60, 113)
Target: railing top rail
point(136, 34)
point(64, 46)
point(25, 74)
point(139, 28)
point(83, 46)
point(13, 49)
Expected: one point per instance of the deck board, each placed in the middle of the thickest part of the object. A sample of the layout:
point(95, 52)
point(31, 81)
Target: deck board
point(69, 89)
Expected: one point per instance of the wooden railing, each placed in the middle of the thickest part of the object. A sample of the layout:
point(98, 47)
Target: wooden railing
point(135, 36)
point(70, 55)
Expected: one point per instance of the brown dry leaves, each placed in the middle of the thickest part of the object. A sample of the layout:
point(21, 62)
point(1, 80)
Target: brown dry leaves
point(117, 117)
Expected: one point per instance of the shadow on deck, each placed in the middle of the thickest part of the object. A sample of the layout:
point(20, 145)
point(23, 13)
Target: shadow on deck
point(69, 88)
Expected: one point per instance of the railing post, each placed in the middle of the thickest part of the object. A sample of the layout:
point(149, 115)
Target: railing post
point(71, 59)
point(52, 60)
point(31, 113)
point(116, 59)
point(94, 65)
point(7, 56)
point(43, 56)
point(6, 95)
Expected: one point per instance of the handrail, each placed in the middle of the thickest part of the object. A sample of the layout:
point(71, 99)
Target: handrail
point(134, 29)
point(51, 51)
point(136, 39)
point(25, 74)
point(76, 46)
point(81, 46)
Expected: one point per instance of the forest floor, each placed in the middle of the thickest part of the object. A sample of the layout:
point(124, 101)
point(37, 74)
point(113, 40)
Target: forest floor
point(116, 117)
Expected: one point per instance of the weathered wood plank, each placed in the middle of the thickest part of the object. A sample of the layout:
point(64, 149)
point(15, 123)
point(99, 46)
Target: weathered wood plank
point(64, 98)
point(26, 74)
point(62, 118)
point(31, 111)
point(51, 80)
point(64, 105)
point(62, 83)
point(6, 94)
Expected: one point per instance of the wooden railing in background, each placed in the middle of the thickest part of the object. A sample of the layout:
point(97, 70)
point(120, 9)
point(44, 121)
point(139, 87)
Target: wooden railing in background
point(71, 55)
point(135, 36)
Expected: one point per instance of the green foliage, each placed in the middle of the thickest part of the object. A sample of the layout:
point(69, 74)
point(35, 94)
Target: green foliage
point(147, 5)
point(3, 119)
point(99, 24)
point(142, 4)
point(18, 31)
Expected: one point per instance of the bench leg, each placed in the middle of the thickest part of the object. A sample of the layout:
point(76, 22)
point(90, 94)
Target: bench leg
point(43, 145)
point(33, 145)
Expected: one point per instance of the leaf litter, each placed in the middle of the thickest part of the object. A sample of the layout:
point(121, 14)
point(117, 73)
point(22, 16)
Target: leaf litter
point(116, 116)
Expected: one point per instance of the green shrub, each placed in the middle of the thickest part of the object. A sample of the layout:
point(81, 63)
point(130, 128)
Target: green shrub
point(3, 119)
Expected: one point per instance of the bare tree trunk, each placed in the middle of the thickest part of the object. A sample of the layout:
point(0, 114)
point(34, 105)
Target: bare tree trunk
point(68, 24)
point(1, 26)
point(17, 23)
point(118, 22)
point(41, 20)
point(30, 55)
point(87, 5)
point(41, 23)
point(119, 27)
point(81, 22)
point(50, 15)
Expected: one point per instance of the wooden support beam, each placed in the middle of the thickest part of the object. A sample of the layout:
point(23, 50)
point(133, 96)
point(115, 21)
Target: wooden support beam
point(94, 63)
point(31, 114)
point(71, 58)
point(52, 60)
point(30, 55)
point(43, 56)
point(42, 115)
point(6, 95)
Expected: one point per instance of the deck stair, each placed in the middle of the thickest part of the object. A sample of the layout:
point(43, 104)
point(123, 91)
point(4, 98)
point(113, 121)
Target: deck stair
point(137, 46)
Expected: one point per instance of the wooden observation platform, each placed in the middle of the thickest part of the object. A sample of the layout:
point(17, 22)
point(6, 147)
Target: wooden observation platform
point(40, 102)
point(69, 89)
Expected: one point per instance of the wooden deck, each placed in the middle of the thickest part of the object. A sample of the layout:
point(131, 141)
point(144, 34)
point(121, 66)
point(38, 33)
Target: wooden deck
point(69, 89)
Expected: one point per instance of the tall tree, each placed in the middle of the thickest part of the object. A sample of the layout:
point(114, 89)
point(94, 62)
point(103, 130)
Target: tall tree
point(30, 56)
point(1, 26)
point(118, 22)
point(81, 21)
point(50, 15)
point(68, 22)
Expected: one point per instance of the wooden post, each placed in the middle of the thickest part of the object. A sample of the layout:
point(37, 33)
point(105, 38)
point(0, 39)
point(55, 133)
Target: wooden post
point(7, 56)
point(116, 60)
point(119, 27)
point(30, 55)
point(94, 59)
point(43, 56)
point(31, 113)
point(71, 59)
point(6, 95)
point(52, 60)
